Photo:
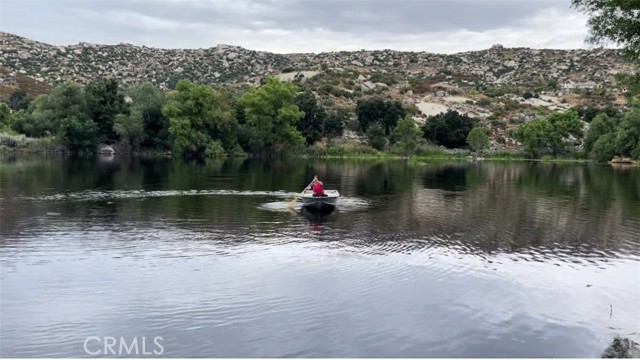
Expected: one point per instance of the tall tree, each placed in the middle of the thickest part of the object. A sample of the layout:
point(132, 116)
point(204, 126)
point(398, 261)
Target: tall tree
point(387, 113)
point(449, 129)
point(376, 136)
point(553, 133)
point(533, 136)
point(63, 112)
point(628, 134)
point(271, 115)
point(311, 126)
point(5, 115)
point(616, 21)
point(478, 139)
point(105, 102)
point(19, 100)
point(200, 119)
point(406, 135)
point(144, 125)
point(335, 121)
point(599, 126)
point(604, 148)
point(564, 126)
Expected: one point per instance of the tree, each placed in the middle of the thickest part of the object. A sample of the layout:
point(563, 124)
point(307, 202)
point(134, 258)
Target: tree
point(587, 114)
point(616, 21)
point(311, 126)
point(564, 126)
point(376, 136)
point(63, 112)
point(604, 148)
point(627, 139)
point(406, 135)
point(197, 116)
point(613, 20)
point(105, 102)
point(532, 136)
point(145, 125)
point(600, 125)
point(5, 115)
point(553, 133)
point(449, 129)
point(377, 110)
point(271, 116)
point(335, 120)
point(478, 139)
point(19, 100)
point(130, 129)
point(78, 133)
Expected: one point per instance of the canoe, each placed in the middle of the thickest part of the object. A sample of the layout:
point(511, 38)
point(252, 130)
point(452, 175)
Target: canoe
point(320, 202)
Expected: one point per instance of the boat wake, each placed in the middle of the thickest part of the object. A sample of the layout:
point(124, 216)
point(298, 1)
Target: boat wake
point(142, 194)
point(344, 204)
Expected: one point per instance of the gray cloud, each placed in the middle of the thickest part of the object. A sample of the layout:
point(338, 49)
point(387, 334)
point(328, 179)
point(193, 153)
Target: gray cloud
point(300, 25)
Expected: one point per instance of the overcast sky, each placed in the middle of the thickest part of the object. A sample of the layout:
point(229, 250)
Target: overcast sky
point(301, 25)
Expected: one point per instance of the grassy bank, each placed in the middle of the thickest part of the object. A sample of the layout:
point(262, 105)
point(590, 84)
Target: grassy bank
point(18, 143)
point(425, 154)
point(11, 143)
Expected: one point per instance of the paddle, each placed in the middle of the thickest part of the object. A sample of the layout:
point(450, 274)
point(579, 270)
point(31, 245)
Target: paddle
point(292, 203)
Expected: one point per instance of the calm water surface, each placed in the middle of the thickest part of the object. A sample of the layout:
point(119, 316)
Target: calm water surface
point(445, 259)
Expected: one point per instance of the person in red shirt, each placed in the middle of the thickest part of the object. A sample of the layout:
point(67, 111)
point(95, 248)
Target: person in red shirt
point(317, 186)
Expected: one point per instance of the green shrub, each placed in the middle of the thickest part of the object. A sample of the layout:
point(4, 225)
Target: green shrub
point(215, 150)
point(376, 136)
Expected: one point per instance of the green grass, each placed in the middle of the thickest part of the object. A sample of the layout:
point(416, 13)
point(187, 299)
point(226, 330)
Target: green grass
point(425, 155)
point(11, 143)
point(353, 151)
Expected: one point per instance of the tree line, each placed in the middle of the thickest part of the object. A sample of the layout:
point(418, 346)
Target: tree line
point(191, 120)
point(562, 133)
point(198, 120)
point(275, 117)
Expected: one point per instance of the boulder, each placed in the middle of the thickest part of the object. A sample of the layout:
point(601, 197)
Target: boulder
point(410, 101)
point(106, 149)
point(368, 86)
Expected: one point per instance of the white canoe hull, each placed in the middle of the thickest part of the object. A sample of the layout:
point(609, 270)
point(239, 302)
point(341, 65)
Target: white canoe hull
point(320, 202)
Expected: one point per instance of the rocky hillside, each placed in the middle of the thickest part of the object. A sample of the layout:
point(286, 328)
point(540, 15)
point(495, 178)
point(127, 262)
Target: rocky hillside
point(232, 64)
point(502, 86)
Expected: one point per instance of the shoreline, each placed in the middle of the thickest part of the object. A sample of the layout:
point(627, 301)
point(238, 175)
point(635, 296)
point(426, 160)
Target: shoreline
point(372, 157)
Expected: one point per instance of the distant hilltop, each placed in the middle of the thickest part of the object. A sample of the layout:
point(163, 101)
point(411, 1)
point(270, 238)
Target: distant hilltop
point(228, 64)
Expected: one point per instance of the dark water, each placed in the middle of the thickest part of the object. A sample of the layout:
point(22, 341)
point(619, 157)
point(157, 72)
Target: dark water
point(446, 259)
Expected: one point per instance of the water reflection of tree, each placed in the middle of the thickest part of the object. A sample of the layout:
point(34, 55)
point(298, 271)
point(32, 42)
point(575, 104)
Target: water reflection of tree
point(480, 207)
point(594, 187)
point(448, 177)
point(519, 207)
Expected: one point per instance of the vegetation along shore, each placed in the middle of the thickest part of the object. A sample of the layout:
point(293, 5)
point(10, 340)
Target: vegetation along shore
point(280, 118)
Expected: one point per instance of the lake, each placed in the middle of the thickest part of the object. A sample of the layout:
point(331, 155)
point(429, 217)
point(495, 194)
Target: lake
point(190, 259)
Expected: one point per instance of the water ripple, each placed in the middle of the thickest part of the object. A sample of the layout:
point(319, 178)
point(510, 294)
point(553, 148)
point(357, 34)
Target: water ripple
point(92, 195)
